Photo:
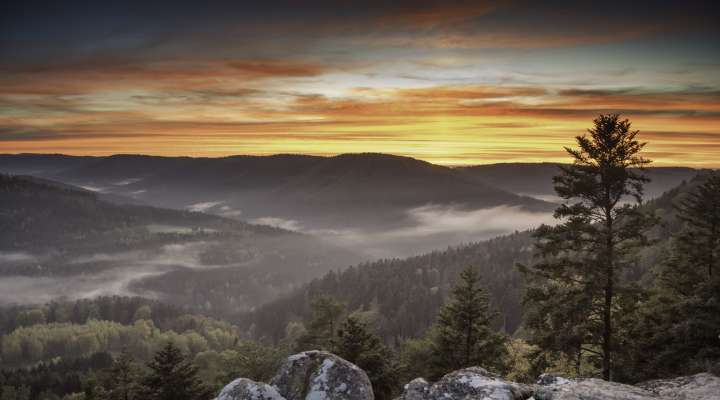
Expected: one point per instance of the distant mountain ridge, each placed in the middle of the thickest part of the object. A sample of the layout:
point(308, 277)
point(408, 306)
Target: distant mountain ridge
point(404, 206)
point(536, 178)
point(323, 192)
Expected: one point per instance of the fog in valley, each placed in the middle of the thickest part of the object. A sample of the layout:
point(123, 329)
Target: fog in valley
point(320, 214)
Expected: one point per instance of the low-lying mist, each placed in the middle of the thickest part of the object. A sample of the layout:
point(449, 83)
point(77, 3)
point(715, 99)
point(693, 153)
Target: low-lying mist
point(101, 274)
point(428, 228)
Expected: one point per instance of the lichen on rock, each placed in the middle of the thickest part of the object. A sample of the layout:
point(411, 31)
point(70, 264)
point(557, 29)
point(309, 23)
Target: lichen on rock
point(702, 386)
point(319, 375)
point(246, 389)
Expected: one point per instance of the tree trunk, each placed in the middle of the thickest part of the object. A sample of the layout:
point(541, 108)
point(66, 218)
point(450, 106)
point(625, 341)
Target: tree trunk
point(711, 248)
point(607, 312)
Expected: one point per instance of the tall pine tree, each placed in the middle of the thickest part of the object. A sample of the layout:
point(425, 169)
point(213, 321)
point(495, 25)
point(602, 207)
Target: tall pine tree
point(462, 336)
point(583, 256)
point(123, 378)
point(172, 377)
point(359, 346)
point(323, 324)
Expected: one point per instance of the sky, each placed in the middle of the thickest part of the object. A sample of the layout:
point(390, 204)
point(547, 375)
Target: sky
point(450, 82)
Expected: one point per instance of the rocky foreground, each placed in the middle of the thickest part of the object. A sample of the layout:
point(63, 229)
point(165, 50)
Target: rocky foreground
point(317, 375)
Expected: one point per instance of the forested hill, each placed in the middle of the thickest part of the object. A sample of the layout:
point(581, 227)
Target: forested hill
point(36, 214)
point(321, 192)
point(56, 240)
point(403, 295)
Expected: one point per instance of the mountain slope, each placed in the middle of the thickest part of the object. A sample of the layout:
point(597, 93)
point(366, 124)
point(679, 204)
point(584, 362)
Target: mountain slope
point(350, 199)
point(404, 295)
point(56, 240)
point(282, 184)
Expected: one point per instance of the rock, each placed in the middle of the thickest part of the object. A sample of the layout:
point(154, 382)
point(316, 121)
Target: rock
point(558, 388)
point(696, 387)
point(416, 389)
point(550, 379)
point(476, 383)
point(245, 389)
point(318, 375)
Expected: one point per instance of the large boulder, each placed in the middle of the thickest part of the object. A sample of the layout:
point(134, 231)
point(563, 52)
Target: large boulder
point(695, 387)
point(477, 383)
point(558, 388)
point(467, 384)
point(318, 375)
point(245, 389)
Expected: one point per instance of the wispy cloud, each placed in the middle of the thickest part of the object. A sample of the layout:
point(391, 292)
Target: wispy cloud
point(435, 80)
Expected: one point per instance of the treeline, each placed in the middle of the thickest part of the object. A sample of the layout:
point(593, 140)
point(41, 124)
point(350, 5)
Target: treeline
point(40, 215)
point(168, 375)
point(404, 296)
point(121, 309)
point(69, 349)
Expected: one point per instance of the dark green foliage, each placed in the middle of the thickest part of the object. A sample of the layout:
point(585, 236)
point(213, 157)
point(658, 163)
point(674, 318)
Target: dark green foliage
point(407, 294)
point(677, 328)
point(463, 336)
point(359, 346)
point(583, 257)
point(8, 392)
point(696, 252)
point(172, 377)
point(323, 324)
point(123, 378)
point(254, 361)
point(46, 214)
point(60, 377)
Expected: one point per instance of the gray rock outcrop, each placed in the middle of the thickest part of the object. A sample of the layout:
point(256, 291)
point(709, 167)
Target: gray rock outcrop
point(558, 388)
point(468, 384)
point(245, 389)
point(695, 387)
point(319, 375)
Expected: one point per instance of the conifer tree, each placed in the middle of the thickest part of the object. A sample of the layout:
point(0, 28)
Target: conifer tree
point(322, 326)
point(462, 335)
point(359, 346)
point(696, 249)
point(676, 330)
point(123, 378)
point(172, 377)
point(583, 256)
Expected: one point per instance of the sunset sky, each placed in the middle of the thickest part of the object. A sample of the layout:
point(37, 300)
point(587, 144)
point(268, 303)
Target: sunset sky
point(449, 82)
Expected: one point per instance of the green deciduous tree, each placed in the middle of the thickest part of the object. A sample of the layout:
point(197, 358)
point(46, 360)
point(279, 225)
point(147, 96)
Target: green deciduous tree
point(575, 286)
point(463, 335)
point(172, 377)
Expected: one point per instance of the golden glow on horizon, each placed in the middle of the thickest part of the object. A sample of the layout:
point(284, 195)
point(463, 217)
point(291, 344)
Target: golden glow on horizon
point(262, 108)
point(452, 83)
